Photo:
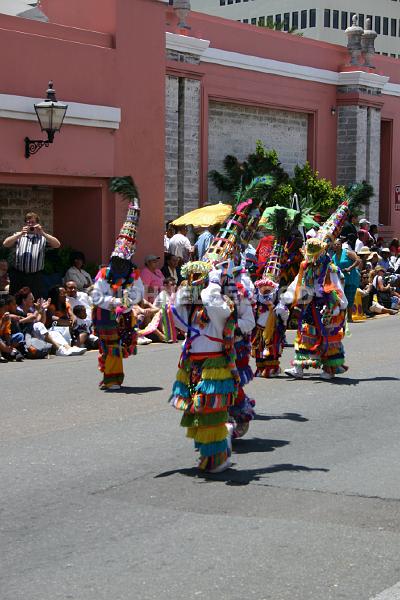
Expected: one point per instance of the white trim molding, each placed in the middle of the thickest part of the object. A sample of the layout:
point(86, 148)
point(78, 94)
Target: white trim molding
point(268, 65)
point(304, 72)
point(186, 44)
point(363, 79)
point(83, 115)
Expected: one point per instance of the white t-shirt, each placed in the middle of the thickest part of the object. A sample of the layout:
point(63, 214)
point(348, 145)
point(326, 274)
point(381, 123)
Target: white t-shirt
point(179, 245)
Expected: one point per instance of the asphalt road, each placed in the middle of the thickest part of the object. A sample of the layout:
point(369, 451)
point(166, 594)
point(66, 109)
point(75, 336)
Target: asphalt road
point(100, 500)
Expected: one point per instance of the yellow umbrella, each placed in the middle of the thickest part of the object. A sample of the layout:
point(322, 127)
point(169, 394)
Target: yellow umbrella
point(213, 214)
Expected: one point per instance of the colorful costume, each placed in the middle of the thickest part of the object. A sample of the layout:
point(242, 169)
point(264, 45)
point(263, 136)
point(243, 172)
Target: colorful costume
point(318, 294)
point(207, 381)
point(242, 411)
point(113, 296)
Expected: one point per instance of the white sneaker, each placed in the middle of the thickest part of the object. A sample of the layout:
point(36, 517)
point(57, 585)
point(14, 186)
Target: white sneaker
point(325, 375)
point(296, 372)
point(143, 341)
point(230, 429)
point(64, 351)
point(225, 465)
point(77, 351)
point(115, 386)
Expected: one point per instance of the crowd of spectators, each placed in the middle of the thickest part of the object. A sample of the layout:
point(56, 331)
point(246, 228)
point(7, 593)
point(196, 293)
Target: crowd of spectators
point(370, 268)
point(35, 322)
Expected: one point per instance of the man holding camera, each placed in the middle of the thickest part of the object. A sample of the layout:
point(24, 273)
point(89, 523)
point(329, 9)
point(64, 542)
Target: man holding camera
point(30, 245)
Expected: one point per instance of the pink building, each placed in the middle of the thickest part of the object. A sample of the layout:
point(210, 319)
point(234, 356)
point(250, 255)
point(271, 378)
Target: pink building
point(166, 106)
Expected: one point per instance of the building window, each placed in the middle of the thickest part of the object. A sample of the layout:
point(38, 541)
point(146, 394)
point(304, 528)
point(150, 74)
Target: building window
point(270, 21)
point(344, 20)
point(377, 24)
point(295, 20)
point(384, 53)
point(327, 17)
point(261, 21)
point(313, 17)
point(245, 20)
point(361, 20)
point(237, 1)
point(254, 21)
point(335, 19)
point(393, 27)
point(222, 2)
point(393, 55)
point(278, 19)
point(303, 21)
point(385, 28)
point(230, 1)
point(286, 21)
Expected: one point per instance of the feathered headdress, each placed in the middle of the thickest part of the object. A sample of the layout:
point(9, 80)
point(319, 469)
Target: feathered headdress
point(282, 222)
point(125, 244)
point(240, 227)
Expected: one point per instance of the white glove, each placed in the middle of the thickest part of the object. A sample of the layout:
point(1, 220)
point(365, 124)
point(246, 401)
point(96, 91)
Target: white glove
point(282, 311)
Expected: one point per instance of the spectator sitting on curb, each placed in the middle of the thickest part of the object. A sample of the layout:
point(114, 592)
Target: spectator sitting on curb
point(8, 341)
point(4, 277)
point(152, 277)
point(33, 321)
point(76, 272)
point(75, 297)
point(172, 268)
point(82, 329)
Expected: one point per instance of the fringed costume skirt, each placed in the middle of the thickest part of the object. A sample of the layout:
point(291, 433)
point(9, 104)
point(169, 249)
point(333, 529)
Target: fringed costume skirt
point(267, 355)
point(117, 340)
point(242, 411)
point(320, 345)
point(204, 390)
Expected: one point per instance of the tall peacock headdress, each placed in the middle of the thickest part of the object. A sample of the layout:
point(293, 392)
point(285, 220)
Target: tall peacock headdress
point(125, 244)
point(282, 221)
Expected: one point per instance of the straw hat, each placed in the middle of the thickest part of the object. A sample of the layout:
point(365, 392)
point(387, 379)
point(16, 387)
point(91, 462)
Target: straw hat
point(364, 251)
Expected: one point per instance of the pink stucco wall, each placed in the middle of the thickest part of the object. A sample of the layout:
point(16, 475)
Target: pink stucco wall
point(112, 53)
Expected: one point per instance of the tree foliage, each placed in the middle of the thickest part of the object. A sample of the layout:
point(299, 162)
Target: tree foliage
point(316, 194)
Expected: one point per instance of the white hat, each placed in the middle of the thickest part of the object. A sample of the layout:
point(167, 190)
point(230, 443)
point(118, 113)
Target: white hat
point(385, 250)
point(364, 221)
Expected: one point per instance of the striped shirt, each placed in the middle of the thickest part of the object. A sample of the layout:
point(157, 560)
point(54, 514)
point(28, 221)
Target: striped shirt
point(29, 253)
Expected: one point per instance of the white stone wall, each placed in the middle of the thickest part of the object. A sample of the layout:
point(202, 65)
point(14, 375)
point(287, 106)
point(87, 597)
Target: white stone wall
point(234, 129)
point(15, 201)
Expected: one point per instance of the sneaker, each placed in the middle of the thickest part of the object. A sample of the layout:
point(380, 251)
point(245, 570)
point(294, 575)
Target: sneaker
point(230, 429)
point(325, 375)
point(225, 465)
point(75, 351)
point(64, 351)
point(143, 341)
point(115, 386)
point(296, 372)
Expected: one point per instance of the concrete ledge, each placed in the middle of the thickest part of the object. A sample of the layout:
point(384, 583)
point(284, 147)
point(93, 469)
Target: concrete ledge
point(84, 115)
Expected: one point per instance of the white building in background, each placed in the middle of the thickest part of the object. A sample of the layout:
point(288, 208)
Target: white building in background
point(318, 19)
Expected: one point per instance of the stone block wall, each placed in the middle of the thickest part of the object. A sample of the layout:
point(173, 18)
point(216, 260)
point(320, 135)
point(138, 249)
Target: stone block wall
point(358, 150)
point(171, 147)
point(15, 201)
point(182, 169)
point(234, 129)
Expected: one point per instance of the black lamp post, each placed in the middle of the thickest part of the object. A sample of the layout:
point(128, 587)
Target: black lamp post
point(50, 114)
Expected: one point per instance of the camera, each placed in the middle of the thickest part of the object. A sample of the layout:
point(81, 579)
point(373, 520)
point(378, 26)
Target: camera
point(31, 229)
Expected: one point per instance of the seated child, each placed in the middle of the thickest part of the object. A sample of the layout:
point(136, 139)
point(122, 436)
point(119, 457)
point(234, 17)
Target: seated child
point(82, 329)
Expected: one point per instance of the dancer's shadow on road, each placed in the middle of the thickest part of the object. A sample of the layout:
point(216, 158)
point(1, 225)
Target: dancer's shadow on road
point(284, 417)
point(243, 477)
point(135, 390)
point(250, 445)
point(350, 381)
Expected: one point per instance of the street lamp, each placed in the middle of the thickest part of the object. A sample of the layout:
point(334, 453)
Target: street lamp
point(50, 114)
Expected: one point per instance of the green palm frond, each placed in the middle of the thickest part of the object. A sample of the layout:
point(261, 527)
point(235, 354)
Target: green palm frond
point(124, 186)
